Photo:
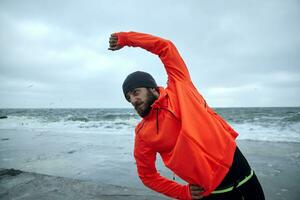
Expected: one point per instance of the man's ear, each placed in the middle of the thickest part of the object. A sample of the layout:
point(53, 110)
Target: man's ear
point(155, 91)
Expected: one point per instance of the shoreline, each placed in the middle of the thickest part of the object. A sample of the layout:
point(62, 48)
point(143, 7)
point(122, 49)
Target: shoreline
point(108, 160)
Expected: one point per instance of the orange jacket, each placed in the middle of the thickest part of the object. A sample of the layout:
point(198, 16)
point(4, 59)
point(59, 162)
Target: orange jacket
point(193, 141)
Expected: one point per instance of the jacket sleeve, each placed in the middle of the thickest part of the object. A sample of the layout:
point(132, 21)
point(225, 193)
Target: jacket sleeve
point(145, 160)
point(165, 49)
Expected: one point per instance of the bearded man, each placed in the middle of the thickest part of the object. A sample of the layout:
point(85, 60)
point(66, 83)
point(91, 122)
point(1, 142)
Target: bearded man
point(193, 141)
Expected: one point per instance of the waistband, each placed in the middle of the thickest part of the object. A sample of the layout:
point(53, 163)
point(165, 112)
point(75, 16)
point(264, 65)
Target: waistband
point(239, 183)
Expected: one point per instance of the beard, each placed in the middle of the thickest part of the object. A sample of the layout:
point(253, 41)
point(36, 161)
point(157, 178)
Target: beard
point(143, 108)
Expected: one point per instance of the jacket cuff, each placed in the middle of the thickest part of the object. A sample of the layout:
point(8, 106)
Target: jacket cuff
point(188, 192)
point(121, 38)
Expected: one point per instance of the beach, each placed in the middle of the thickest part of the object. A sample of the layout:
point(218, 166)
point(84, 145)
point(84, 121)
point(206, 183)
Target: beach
point(33, 186)
point(277, 166)
point(104, 165)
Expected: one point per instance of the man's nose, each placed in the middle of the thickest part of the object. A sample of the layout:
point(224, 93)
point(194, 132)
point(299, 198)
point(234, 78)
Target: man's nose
point(133, 100)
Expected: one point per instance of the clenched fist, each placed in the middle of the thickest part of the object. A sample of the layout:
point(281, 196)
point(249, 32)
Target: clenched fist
point(113, 43)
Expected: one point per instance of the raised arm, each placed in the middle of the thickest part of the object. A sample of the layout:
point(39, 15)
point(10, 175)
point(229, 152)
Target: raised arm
point(165, 49)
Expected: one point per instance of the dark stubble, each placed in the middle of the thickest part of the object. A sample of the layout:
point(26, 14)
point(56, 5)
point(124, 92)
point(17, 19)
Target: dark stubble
point(144, 111)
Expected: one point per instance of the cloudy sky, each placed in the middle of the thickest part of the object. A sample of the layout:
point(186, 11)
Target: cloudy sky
point(240, 53)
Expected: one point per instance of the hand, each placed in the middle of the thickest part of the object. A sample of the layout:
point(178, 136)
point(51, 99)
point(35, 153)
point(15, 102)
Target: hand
point(113, 40)
point(196, 191)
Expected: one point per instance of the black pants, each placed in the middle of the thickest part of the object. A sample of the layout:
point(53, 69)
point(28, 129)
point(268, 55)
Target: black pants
point(251, 190)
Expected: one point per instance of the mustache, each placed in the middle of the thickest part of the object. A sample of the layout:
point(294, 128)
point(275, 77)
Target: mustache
point(136, 105)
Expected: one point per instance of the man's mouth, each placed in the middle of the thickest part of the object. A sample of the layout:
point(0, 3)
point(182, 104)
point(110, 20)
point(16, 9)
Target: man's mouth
point(139, 106)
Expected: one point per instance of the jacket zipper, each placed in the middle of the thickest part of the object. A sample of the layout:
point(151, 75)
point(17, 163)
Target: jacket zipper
point(157, 125)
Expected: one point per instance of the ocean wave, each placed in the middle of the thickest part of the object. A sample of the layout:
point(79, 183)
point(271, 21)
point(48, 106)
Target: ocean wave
point(81, 119)
point(250, 131)
point(272, 124)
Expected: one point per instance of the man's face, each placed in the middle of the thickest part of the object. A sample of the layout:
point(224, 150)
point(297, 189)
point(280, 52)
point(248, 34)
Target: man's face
point(141, 99)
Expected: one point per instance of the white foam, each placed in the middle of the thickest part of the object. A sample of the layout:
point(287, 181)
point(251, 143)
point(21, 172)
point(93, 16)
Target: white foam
point(118, 126)
point(255, 130)
point(271, 133)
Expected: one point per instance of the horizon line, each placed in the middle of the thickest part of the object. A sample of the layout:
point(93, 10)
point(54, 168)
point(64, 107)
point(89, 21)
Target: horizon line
point(133, 108)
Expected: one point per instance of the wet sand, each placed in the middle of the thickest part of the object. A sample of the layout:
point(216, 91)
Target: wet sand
point(94, 166)
point(32, 186)
point(277, 165)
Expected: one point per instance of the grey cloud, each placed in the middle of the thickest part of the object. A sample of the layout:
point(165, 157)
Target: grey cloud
point(59, 47)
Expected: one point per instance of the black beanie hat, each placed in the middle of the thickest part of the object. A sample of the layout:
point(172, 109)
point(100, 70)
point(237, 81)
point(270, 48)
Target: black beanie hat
point(138, 79)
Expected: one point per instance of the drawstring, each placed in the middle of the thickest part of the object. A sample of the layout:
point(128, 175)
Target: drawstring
point(157, 127)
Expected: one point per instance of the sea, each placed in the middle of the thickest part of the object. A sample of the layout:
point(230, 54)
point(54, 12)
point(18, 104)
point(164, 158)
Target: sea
point(275, 124)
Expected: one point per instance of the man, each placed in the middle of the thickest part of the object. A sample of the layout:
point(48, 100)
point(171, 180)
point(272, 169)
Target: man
point(193, 141)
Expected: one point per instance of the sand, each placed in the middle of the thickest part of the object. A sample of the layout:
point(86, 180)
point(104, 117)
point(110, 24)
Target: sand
point(277, 165)
point(32, 186)
point(101, 166)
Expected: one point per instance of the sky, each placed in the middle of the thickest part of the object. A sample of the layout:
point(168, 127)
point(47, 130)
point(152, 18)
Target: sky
point(239, 53)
